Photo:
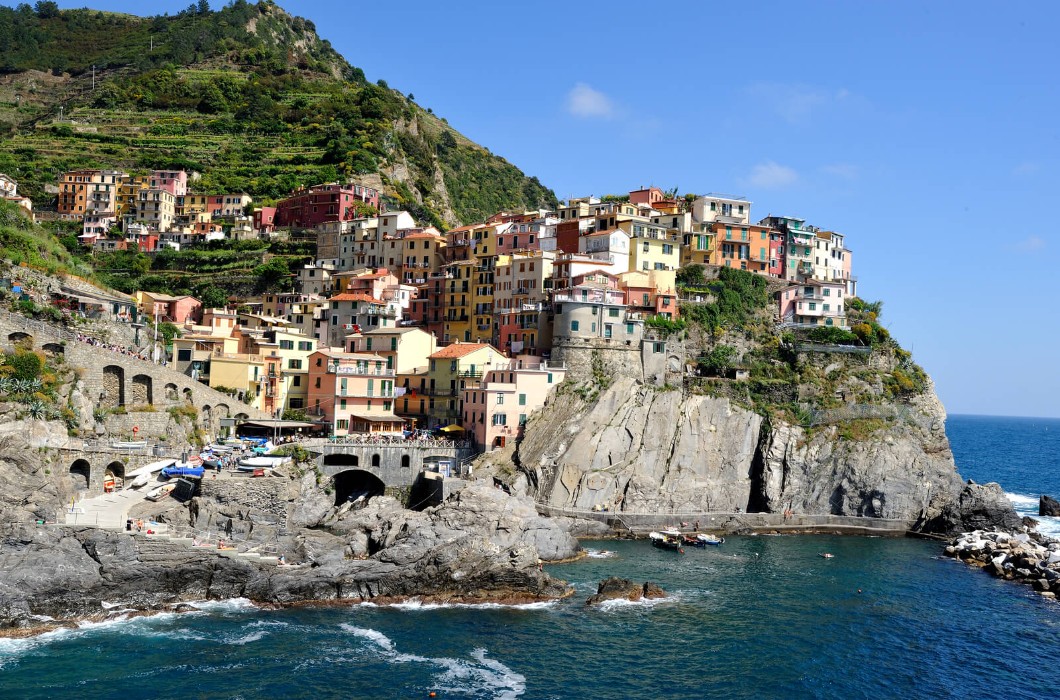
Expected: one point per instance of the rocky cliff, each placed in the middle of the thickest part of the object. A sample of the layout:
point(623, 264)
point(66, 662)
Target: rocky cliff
point(643, 449)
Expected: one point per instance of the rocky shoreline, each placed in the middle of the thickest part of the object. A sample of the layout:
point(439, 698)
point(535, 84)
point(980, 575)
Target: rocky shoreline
point(1026, 557)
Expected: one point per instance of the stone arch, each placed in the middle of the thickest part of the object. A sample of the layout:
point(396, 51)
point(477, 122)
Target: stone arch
point(187, 395)
point(143, 390)
point(222, 410)
point(406, 461)
point(115, 469)
point(242, 416)
point(341, 459)
point(205, 416)
point(54, 349)
point(172, 393)
point(19, 336)
point(113, 387)
point(375, 460)
point(353, 484)
point(81, 472)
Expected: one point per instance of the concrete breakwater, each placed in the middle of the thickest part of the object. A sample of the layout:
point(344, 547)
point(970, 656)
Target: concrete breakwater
point(1027, 557)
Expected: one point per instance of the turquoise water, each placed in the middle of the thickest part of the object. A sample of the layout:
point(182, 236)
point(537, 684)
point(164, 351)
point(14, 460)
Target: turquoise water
point(757, 617)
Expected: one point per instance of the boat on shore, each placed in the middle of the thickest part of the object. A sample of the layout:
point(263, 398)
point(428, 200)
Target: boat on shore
point(667, 539)
point(185, 469)
point(161, 492)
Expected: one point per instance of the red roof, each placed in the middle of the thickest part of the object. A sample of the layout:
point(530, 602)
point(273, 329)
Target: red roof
point(456, 350)
point(347, 296)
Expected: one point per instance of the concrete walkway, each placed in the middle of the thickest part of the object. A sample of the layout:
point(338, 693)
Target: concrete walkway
point(108, 511)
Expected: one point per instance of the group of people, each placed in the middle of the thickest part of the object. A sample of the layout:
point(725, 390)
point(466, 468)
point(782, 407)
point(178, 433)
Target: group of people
point(113, 347)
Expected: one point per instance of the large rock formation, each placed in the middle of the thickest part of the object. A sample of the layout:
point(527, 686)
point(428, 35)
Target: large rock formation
point(645, 450)
point(481, 545)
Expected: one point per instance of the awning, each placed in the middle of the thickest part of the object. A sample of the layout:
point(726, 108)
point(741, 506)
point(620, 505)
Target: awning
point(278, 424)
point(377, 419)
point(454, 428)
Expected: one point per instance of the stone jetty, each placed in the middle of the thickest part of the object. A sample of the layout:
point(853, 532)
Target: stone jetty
point(1026, 557)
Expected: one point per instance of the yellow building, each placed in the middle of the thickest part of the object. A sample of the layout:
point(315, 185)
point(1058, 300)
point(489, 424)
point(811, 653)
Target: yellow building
point(697, 246)
point(407, 352)
point(452, 369)
point(239, 374)
point(293, 386)
point(459, 300)
point(128, 194)
point(654, 251)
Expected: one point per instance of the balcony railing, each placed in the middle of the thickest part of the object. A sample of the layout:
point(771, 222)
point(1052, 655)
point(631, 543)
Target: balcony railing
point(360, 370)
point(364, 394)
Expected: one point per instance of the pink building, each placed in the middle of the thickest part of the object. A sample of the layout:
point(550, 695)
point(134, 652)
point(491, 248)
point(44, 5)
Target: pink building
point(173, 181)
point(814, 303)
point(647, 196)
point(496, 411)
point(265, 219)
point(353, 393)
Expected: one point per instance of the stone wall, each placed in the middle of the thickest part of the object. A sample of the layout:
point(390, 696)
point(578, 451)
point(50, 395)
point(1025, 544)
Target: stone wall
point(394, 465)
point(113, 380)
point(656, 359)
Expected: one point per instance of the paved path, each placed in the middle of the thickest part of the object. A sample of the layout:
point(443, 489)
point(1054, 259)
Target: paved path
point(109, 510)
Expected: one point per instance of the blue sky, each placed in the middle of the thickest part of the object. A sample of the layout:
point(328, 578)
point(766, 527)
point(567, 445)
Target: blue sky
point(926, 132)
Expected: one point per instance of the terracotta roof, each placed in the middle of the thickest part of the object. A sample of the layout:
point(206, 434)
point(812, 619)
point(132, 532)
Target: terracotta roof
point(450, 352)
point(347, 296)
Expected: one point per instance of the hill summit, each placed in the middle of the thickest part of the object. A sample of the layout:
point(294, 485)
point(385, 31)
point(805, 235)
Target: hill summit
point(248, 96)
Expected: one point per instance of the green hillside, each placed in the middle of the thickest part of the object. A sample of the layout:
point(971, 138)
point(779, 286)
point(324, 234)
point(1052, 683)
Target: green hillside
point(248, 96)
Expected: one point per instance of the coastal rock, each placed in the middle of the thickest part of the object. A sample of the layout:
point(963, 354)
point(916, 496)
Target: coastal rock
point(1048, 506)
point(615, 588)
point(979, 506)
point(480, 545)
point(641, 450)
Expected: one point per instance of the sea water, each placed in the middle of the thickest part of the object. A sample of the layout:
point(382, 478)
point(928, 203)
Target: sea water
point(757, 617)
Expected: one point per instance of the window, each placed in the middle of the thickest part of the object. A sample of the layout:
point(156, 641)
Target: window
point(668, 249)
point(452, 366)
point(658, 348)
point(549, 377)
point(827, 292)
point(574, 325)
point(316, 384)
point(612, 313)
point(500, 399)
point(813, 306)
point(294, 364)
point(297, 381)
point(826, 307)
point(305, 345)
point(342, 404)
point(522, 399)
point(629, 329)
point(369, 343)
point(522, 419)
point(183, 355)
point(646, 246)
point(500, 419)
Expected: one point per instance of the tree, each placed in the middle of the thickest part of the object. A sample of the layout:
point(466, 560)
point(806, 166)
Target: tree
point(718, 361)
point(691, 276)
point(47, 10)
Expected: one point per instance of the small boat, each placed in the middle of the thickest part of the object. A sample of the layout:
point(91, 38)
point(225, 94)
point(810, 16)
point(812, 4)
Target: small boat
point(711, 540)
point(183, 469)
point(693, 541)
point(252, 463)
point(666, 540)
point(140, 480)
point(827, 555)
point(160, 492)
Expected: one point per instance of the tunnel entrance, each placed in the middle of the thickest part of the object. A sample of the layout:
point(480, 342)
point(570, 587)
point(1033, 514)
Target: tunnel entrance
point(357, 486)
point(81, 471)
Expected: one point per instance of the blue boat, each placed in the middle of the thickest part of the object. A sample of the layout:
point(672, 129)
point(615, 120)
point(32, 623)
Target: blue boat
point(183, 469)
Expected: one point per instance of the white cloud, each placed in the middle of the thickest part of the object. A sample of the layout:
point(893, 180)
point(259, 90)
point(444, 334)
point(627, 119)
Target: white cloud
point(583, 101)
point(797, 103)
point(845, 171)
point(1031, 244)
point(770, 175)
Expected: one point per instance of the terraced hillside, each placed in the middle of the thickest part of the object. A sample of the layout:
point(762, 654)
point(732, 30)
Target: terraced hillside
point(248, 96)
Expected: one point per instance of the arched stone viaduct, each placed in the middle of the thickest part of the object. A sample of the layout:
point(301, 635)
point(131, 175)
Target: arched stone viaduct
point(115, 380)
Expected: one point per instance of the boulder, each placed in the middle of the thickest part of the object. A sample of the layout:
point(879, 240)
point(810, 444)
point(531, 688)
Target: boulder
point(978, 507)
point(615, 588)
point(1048, 506)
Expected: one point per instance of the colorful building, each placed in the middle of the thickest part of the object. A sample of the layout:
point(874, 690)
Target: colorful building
point(309, 207)
point(352, 393)
point(494, 413)
point(813, 303)
point(453, 369)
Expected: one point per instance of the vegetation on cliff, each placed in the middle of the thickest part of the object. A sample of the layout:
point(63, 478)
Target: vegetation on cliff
point(248, 96)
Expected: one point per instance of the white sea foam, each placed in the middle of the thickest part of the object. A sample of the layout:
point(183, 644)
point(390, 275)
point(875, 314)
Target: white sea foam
point(229, 605)
point(480, 676)
point(1023, 502)
point(600, 554)
point(486, 676)
point(622, 603)
point(1028, 506)
point(420, 605)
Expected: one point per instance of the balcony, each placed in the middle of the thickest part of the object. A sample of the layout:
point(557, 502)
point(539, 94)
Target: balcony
point(360, 370)
point(364, 394)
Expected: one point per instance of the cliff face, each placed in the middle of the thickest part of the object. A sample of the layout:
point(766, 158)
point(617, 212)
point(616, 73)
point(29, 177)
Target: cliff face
point(644, 450)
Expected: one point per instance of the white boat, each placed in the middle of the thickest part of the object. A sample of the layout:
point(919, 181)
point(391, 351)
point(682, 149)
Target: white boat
point(140, 480)
point(161, 492)
point(147, 470)
point(711, 540)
